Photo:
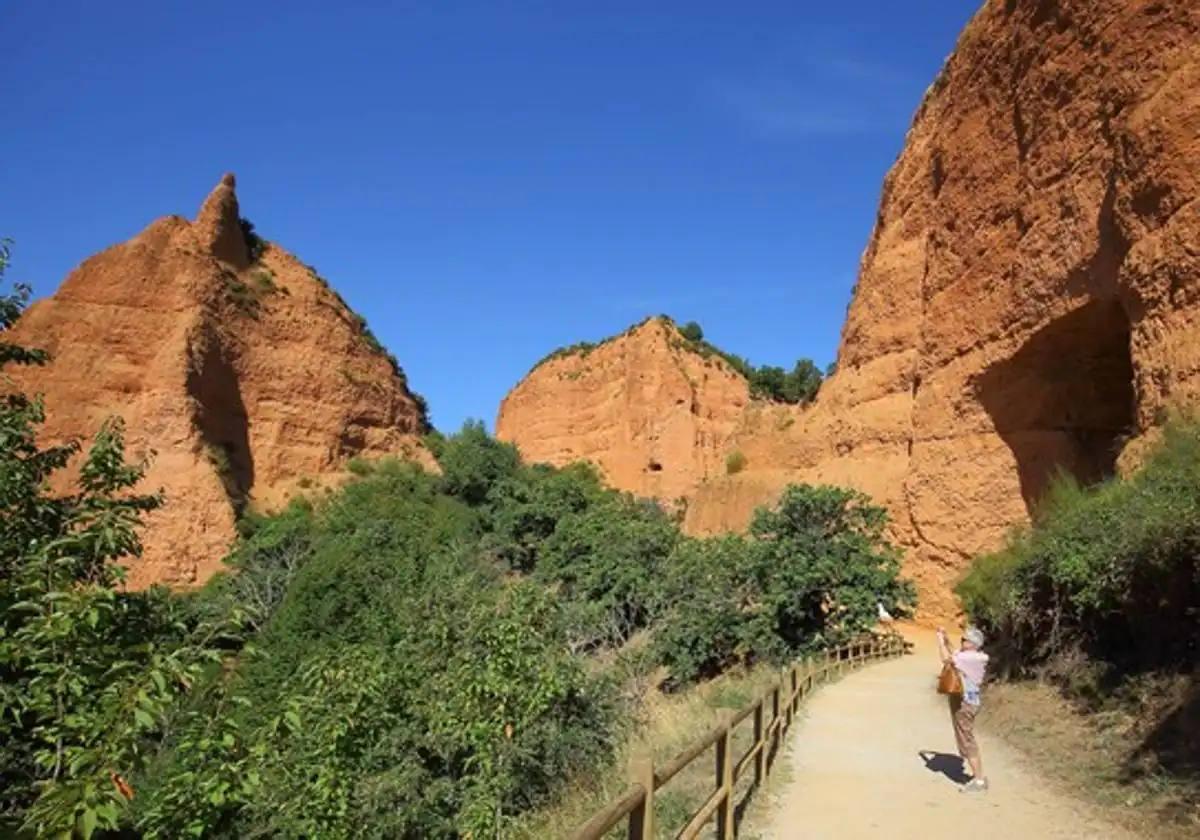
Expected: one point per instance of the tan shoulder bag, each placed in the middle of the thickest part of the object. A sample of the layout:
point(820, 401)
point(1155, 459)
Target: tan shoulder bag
point(949, 681)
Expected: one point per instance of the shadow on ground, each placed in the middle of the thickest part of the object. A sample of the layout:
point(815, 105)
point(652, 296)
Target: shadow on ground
point(950, 766)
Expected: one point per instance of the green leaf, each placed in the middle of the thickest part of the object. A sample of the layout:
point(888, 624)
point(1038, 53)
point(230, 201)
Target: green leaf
point(87, 823)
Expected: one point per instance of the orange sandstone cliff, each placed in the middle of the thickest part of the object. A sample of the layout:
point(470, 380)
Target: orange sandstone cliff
point(238, 378)
point(654, 416)
point(1029, 299)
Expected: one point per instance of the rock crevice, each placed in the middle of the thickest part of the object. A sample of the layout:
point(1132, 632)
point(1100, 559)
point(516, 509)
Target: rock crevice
point(1028, 300)
point(231, 377)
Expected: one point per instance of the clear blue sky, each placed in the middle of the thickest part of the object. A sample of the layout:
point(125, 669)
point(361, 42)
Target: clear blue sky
point(484, 181)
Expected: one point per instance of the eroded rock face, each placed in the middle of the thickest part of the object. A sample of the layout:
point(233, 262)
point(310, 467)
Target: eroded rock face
point(240, 379)
point(652, 415)
point(1029, 299)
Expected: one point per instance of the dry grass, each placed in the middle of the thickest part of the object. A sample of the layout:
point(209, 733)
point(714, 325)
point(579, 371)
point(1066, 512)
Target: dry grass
point(1091, 755)
point(667, 723)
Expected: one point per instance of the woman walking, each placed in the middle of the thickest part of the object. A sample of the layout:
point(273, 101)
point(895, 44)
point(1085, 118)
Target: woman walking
point(971, 663)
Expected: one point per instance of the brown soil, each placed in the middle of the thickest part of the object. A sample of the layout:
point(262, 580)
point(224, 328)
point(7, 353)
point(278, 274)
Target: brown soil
point(1094, 756)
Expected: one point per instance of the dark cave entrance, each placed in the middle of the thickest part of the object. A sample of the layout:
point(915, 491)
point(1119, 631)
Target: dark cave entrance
point(1065, 400)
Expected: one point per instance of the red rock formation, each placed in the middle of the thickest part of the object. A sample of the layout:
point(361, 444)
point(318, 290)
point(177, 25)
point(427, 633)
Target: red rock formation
point(651, 414)
point(1029, 299)
point(237, 378)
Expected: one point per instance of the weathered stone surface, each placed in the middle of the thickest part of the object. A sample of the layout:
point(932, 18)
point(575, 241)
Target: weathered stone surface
point(651, 414)
point(239, 379)
point(1029, 299)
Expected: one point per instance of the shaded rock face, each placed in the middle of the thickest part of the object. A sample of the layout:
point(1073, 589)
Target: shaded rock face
point(237, 380)
point(1029, 299)
point(652, 415)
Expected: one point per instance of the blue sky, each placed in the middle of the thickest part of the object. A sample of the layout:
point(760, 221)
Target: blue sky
point(484, 181)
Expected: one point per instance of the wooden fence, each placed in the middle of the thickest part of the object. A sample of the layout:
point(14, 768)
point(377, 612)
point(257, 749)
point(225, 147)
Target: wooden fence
point(772, 717)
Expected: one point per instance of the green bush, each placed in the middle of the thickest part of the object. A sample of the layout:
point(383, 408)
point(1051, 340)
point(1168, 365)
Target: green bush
point(87, 670)
point(472, 462)
point(605, 562)
point(810, 575)
point(735, 462)
point(255, 244)
point(799, 385)
point(1110, 570)
point(707, 598)
point(400, 687)
point(528, 506)
point(263, 282)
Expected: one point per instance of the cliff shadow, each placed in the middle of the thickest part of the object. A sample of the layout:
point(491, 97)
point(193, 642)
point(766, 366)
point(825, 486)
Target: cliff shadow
point(1065, 400)
point(1173, 745)
point(223, 421)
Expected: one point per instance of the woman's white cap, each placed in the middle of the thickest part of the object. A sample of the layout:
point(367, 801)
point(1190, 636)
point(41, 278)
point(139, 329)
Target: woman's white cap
point(975, 636)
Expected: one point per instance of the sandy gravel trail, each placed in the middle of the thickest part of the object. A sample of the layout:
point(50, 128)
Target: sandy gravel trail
point(857, 770)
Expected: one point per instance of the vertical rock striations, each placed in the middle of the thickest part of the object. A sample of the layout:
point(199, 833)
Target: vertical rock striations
point(1029, 299)
point(237, 378)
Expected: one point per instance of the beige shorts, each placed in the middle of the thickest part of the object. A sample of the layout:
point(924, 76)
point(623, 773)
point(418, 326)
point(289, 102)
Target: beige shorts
point(963, 716)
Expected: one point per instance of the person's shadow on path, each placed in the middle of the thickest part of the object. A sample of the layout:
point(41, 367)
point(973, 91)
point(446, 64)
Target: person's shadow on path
point(950, 766)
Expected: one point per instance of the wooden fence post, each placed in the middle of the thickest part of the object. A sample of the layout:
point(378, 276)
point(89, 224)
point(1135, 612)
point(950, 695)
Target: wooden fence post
point(725, 785)
point(793, 694)
point(641, 819)
point(760, 760)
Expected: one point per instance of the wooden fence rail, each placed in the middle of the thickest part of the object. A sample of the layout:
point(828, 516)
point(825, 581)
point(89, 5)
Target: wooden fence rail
point(780, 702)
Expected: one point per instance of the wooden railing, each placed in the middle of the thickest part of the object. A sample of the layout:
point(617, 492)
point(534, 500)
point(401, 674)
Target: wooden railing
point(780, 702)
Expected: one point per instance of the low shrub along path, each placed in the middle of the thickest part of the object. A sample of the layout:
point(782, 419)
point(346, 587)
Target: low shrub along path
point(873, 756)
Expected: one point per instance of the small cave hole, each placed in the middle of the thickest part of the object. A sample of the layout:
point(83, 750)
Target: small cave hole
point(654, 466)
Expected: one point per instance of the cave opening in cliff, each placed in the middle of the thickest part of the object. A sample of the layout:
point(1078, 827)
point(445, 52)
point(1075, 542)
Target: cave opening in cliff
point(1065, 400)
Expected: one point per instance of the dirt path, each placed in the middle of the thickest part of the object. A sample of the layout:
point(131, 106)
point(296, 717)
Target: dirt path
point(857, 771)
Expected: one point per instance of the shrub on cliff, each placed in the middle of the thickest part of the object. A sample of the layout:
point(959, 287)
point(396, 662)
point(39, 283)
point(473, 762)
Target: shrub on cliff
point(735, 462)
point(767, 382)
point(256, 246)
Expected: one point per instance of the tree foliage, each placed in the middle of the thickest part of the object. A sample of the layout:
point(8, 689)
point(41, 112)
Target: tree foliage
point(410, 656)
point(767, 382)
point(1108, 570)
point(86, 669)
point(402, 687)
point(473, 462)
point(810, 574)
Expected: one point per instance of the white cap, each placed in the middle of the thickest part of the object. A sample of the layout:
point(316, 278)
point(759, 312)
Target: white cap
point(974, 635)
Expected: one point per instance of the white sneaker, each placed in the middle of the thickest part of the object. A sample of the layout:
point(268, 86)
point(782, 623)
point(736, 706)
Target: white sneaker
point(974, 786)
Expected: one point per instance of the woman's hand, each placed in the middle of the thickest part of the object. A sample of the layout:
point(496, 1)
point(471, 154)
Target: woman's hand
point(943, 645)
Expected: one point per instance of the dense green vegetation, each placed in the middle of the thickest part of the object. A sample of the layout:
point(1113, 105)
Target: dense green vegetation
point(256, 246)
point(414, 655)
point(1110, 570)
point(86, 669)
